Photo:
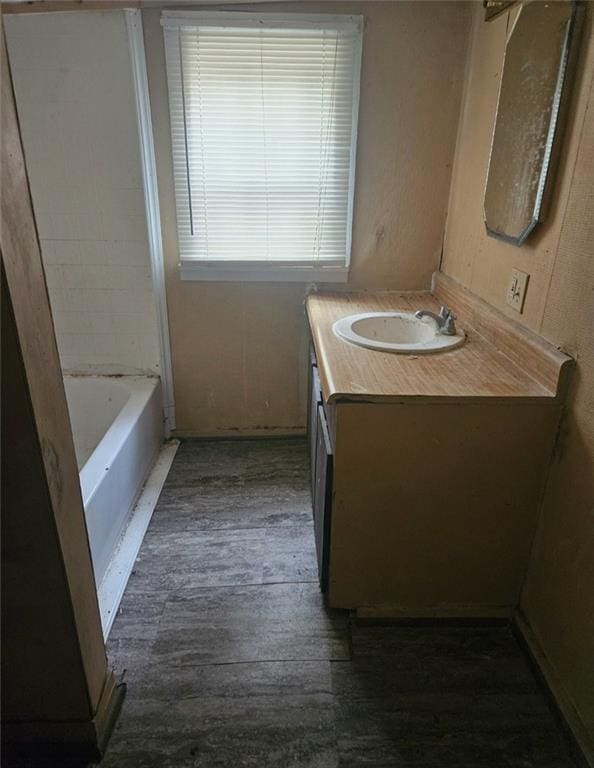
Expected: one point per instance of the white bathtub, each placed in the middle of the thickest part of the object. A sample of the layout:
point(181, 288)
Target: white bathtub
point(117, 424)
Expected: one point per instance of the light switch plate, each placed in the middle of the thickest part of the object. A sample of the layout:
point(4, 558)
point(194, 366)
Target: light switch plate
point(516, 290)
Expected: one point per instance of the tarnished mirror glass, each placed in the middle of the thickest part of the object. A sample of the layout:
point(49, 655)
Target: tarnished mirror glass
point(534, 71)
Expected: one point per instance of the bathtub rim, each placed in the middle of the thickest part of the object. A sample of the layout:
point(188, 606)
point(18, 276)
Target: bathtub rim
point(107, 449)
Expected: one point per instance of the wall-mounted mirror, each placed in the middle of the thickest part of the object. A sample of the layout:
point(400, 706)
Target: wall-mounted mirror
point(534, 73)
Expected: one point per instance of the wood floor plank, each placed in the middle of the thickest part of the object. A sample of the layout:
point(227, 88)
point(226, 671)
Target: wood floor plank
point(271, 622)
point(226, 731)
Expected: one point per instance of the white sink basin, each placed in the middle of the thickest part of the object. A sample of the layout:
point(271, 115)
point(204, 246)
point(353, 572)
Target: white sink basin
point(399, 332)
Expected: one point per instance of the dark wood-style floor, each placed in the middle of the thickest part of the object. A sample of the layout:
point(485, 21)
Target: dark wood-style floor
point(231, 658)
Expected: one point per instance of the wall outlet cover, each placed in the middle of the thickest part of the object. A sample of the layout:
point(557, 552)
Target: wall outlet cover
point(516, 290)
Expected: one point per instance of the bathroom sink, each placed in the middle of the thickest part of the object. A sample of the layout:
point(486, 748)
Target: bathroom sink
point(399, 332)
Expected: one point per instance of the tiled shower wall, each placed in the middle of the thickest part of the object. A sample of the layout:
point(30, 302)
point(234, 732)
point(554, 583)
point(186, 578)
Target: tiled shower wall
point(76, 105)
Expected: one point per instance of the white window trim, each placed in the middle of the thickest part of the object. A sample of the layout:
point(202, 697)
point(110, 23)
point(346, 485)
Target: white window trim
point(261, 271)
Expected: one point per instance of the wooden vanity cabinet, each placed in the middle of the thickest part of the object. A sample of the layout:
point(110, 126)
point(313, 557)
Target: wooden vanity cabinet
point(428, 470)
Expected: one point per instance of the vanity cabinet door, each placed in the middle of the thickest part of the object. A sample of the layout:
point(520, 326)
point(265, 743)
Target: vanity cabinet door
point(315, 400)
point(322, 497)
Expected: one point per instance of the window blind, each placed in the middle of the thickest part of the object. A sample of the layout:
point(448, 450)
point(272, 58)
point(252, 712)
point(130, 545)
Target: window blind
point(263, 120)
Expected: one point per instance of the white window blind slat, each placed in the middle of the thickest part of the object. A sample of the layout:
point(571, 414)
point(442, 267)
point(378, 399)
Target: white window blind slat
point(263, 115)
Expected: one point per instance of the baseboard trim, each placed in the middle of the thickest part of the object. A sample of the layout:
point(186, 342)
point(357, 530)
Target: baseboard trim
point(264, 433)
point(573, 725)
point(471, 614)
point(56, 742)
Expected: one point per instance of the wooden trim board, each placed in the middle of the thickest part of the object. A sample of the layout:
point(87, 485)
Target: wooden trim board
point(110, 704)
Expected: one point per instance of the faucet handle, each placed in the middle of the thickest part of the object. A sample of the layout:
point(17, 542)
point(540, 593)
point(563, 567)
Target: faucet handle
point(449, 326)
point(446, 313)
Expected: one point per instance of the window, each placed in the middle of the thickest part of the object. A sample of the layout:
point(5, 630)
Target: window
point(263, 120)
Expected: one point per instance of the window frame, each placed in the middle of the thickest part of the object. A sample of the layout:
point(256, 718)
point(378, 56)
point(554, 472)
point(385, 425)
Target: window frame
point(277, 271)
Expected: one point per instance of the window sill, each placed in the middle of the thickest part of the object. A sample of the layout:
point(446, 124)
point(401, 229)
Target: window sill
point(260, 273)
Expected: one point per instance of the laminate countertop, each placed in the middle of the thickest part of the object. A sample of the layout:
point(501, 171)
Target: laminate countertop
point(477, 371)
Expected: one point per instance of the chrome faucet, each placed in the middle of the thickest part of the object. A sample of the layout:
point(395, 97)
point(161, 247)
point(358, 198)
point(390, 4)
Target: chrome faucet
point(444, 321)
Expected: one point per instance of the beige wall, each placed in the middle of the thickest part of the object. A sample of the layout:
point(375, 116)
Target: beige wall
point(558, 599)
point(239, 350)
